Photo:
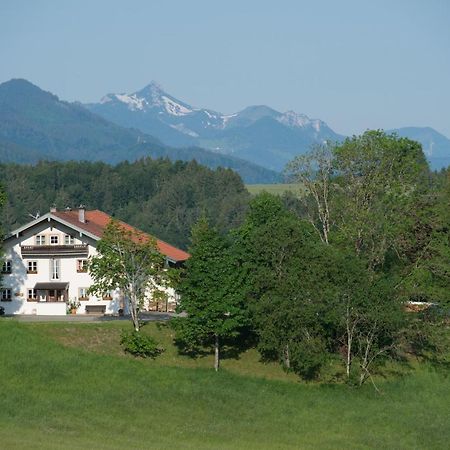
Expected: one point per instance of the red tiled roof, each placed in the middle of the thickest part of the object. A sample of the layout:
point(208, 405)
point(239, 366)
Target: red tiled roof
point(96, 222)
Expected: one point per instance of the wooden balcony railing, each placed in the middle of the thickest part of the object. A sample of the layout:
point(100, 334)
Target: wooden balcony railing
point(54, 250)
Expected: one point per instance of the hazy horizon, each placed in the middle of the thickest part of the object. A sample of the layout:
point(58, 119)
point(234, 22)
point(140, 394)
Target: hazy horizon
point(353, 64)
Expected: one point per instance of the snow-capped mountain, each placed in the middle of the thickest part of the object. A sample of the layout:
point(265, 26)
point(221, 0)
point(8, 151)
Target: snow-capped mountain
point(257, 133)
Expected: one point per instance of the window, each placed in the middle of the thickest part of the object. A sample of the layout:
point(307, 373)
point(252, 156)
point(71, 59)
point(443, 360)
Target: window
point(55, 269)
point(5, 295)
point(108, 295)
point(7, 267)
point(54, 239)
point(83, 293)
point(40, 239)
point(32, 295)
point(81, 265)
point(32, 267)
point(69, 240)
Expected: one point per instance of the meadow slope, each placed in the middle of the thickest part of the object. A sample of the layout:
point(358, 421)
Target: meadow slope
point(57, 395)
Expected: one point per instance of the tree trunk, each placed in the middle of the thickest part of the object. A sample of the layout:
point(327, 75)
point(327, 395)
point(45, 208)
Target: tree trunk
point(134, 313)
point(216, 352)
point(287, 357)
point(350, 331)
point(349, 356)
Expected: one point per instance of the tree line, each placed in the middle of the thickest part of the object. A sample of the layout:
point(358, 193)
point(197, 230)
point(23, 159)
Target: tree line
point(158, 196)
point(326, 280)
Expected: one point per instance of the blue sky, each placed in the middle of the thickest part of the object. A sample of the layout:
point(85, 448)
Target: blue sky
point(355, 64)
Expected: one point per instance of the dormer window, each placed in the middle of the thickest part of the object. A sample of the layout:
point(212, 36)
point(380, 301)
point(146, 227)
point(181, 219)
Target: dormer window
point(54, 239)
point(40, 239)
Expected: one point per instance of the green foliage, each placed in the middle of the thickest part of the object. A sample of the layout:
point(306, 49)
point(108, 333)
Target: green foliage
point(308, 356)
point(129, 260)
point(380, 179)
point(309, 300)
point(288, 286)
point(428, 336)
point(139, 344)
point(210, 292)
point(425, 275)
point(374, 201)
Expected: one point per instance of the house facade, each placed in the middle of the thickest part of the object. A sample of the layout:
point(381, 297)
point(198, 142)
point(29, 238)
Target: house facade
point(45, 265)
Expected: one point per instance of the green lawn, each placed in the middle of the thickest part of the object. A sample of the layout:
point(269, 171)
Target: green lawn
point(68, 386)
point(276, 189)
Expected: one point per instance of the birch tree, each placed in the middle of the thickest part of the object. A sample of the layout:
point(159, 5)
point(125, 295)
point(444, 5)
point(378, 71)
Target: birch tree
point(129, 260)
point(313, 172)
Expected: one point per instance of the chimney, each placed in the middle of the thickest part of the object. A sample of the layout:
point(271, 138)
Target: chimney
point(53, 208)
point(82, 214)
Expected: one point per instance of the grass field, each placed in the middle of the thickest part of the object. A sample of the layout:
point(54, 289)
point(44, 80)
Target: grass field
point(276, 189)
point(68, 386)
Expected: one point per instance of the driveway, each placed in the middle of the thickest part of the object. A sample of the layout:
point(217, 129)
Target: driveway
point(92, 318)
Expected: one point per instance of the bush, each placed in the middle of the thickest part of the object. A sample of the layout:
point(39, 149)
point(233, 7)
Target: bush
point(308, 357)
point(2, 311)
point(139, 344)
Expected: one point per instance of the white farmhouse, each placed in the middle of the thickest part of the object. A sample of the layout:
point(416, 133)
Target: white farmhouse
point(45, 265)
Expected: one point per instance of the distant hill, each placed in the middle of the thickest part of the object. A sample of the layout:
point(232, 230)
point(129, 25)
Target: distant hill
point(36, 125)
point(435, 145)
point(13, 153)
point(258, 134)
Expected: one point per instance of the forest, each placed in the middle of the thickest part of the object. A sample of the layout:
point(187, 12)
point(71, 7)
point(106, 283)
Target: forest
point(157, 196)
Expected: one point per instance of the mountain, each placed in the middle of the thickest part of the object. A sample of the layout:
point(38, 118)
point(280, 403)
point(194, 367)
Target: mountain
point(36, 125)
point(435, 145)
point(258, 134)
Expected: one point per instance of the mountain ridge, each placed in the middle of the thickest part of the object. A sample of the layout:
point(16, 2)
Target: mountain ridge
point(257, 133)
point(35, 125)
point(256, 142)
point(177, 123)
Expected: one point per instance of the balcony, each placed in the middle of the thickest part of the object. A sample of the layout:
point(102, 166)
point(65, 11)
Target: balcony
point(54, 250)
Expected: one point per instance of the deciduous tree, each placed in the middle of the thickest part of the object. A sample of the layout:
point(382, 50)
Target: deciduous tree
point(210, 293)
point(129, 260)
point(313, 172)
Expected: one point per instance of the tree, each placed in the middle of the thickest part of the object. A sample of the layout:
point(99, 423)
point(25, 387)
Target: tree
point(129, 260)
point(425, 275)
point(313, 172)
point(380, 177)
point(2, 203)
point(358, 193)
point(210, 293)
point(286, 280)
